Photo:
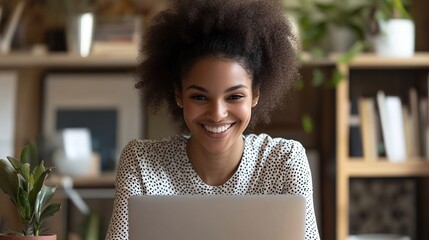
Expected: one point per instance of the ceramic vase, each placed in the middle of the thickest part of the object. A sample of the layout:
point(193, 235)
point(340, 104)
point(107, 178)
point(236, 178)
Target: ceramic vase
point(396, 38)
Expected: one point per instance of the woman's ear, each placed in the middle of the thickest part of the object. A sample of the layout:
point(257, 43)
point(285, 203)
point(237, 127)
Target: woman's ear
point(255, 97)
point(178, 96)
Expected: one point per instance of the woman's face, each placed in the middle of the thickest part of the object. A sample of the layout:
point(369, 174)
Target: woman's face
point(217, 99)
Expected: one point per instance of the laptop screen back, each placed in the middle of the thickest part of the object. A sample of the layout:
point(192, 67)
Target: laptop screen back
point(214, 217)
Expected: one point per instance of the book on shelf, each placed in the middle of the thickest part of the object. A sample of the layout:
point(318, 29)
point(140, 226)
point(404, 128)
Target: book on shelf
point(408, 132)
point(367, 116)
point(424, 130)
point(115, 36)
point(355, 138)
point(392, 126)
point(414, 123)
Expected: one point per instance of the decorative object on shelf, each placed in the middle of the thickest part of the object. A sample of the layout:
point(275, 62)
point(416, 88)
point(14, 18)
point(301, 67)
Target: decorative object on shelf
point(392, 29)
point(76, 30)
point(74, 156)
point(100, 102)
point(80, 29)
point(23, 180)
point(12, 24)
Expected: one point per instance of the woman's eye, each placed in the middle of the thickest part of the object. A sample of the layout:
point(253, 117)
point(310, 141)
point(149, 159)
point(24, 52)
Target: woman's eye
point(198, 97)
point(235, 97)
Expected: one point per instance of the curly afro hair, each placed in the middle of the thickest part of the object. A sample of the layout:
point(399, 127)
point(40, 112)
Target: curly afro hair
point(255, 33)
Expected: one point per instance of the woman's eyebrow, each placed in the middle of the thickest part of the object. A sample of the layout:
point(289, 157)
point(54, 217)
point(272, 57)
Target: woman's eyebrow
point(233, 88)
point(197, 88)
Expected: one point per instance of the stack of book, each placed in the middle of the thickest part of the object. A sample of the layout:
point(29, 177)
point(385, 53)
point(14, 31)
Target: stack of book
point(388, 126)
point(117, 36)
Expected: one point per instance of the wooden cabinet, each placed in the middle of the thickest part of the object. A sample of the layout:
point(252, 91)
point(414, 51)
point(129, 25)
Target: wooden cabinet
point(389, 74)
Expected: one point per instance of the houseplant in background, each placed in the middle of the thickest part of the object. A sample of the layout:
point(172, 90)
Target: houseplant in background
point(391, 28)
point(326, 29)
point(344, 23)
point(23, 180)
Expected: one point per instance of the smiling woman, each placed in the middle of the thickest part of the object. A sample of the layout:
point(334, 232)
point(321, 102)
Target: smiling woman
point(221, 66)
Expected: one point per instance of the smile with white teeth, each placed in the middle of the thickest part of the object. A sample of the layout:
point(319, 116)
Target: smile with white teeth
point(217, 129)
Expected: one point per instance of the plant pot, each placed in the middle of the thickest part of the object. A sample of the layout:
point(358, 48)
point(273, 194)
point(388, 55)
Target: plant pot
point(43, 237)
point(396, 38)
point(341, 38)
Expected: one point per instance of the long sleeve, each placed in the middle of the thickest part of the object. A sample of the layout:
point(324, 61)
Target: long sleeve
point(299, 183)
point(128, 183)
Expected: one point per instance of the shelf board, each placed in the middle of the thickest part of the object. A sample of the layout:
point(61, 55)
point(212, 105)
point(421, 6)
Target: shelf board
point(419, 60)
point(358, 167)
point(64, 60)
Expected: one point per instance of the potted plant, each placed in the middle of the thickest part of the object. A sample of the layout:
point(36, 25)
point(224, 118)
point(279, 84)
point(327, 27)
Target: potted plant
point(23, 180)
point(344, 23)
point(391, 28)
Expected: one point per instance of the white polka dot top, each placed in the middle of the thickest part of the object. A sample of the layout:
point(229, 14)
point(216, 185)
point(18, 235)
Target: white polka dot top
point(161, 167)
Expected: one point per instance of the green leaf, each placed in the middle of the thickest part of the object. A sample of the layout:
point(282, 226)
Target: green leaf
point(318, 77)
point(49, 211)
point(38, 170)
point(15, 163)
point(38, 193)
point(24, 208)
point(25, 171)
point(42, 230)
point(92, 227)
point(400, 7)
point(26, 154)
point(34, 155)
point(29, 154)
point(317, 53)
point(356, 49)
point(307, 123)
point(45, 195)
point(9, 182)
point(357, 11)
point(337, 77)
point(326, 7)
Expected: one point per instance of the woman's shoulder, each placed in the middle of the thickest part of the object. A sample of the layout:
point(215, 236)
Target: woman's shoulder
point(150, 145)
point(266, 141)
point(275, 151)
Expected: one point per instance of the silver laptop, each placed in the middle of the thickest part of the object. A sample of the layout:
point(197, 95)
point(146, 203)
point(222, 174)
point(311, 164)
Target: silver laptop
point(217, 217)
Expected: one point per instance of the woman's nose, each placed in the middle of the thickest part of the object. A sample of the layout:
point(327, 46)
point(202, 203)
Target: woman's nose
point(217, 110)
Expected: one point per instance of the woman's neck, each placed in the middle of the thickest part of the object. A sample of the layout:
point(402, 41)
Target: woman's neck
point(215, 168)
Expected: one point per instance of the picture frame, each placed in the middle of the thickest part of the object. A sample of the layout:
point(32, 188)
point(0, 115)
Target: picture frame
point(106, 103)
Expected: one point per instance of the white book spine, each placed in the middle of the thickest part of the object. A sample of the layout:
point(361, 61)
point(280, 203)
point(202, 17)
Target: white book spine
point(396, 127)
point(390, 109)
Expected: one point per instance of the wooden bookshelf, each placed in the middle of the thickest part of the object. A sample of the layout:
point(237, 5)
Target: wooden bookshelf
point(31, 70)
point(348, 167)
